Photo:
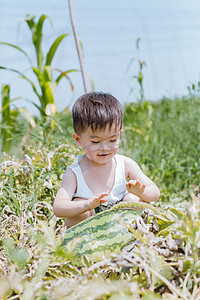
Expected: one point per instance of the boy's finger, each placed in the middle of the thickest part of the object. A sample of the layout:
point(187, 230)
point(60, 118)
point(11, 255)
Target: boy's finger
point(101, 195)
point(103, 200)
point(131, 183)
point(143, 186)
point(138, 183)
point(135, 183)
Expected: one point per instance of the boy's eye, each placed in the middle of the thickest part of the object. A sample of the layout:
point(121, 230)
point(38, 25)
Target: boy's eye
point(95, 142)
point(112, 141)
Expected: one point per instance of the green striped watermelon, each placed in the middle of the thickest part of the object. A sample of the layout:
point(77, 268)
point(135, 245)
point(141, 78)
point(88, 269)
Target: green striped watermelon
point(104, 233)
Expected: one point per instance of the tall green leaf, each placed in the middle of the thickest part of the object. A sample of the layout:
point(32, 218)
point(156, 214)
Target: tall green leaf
point(52, 50)
point(19, 49)
point(6, 120)
point(30, 20)
point(24, 77)
point(64, 74)
point(37, 39)
point(7, 104)
point(49, 92)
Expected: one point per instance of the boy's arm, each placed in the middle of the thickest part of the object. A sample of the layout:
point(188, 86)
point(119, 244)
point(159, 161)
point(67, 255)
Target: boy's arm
point(64, 206)
point(139, 184)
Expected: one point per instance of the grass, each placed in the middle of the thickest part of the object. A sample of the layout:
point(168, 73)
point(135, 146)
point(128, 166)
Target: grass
point(163, 138)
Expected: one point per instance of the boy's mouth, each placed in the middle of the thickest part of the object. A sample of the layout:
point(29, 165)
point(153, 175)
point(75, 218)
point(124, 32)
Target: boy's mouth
point(103, 154)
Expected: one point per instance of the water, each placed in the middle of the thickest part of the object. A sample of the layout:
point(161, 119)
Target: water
point(170, 45)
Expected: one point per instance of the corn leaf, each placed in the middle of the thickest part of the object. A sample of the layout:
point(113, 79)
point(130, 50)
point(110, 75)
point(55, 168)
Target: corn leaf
point(64, 74)
point(24, 77)
point(37, 39)
point(52, 50)
point(7, 104)
point(49, 92)
point(28, 116)
point(47, 73)
point(6, 119)
point(19, 49)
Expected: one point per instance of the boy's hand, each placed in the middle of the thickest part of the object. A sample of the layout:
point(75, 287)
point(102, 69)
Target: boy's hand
point(97, 200)
point(135, 187)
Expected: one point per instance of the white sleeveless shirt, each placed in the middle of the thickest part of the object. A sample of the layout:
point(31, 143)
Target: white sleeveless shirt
point(119, 188)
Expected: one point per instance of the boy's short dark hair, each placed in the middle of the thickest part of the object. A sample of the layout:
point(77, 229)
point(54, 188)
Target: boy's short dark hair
point(96, 110)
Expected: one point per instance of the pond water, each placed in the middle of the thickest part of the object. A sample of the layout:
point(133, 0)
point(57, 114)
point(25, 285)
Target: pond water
point(169, 33)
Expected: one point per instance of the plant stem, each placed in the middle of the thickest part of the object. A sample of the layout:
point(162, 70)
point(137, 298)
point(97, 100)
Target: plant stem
point(77, 46)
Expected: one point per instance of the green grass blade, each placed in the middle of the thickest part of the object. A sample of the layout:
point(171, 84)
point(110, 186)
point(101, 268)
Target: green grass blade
point(64, 74)
point(32, 84)
point(8, 202)
point(49, 90)
point(37, 106)
point(10, 69)
point(177, 213)
point(91, 82)
point(28, 116)
point(37, 39)
point(51, 53)
point(24, 133)
point(19, 49)
point(7, 104)
point(6, 119)
point(24, 77)
point(15, 205)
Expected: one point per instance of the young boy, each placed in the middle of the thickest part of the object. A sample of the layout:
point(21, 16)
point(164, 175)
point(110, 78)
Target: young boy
point(98, 179)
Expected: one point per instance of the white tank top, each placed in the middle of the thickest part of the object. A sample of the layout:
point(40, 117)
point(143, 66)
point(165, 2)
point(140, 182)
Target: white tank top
point(119, 188)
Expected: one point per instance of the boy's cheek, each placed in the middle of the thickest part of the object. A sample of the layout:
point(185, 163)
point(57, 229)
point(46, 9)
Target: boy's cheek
point(115, 147)
point(89, 151)
point(90, 148)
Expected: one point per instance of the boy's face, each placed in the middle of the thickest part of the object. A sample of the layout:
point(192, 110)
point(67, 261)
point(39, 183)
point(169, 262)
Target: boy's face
point(100, 145)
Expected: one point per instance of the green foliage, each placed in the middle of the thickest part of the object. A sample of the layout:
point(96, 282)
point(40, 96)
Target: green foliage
point(139, 77)
point(6, 119)
point(162, 259)
point(34, 178)
point(164, 138)
point(9, 118)
point(42, 70)
point(149, 266)
point(194, 89)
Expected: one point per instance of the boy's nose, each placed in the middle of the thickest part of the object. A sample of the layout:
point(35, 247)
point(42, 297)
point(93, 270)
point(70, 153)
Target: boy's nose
point(104, 145)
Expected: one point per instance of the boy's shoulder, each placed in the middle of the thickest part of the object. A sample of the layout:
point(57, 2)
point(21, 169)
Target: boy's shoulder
point(120, 156)
point(75, 164)
point(125, 158)
point(129, 162)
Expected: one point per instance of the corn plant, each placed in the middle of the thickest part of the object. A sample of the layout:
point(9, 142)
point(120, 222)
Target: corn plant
point(139, 77)
point(7, 119)
point(42, 69)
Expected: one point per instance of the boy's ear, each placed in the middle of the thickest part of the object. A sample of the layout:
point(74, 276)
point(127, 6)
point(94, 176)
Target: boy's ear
point(77, 139)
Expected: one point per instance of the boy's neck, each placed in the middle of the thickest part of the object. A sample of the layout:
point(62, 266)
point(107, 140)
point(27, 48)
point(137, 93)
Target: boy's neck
point(86, 162)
